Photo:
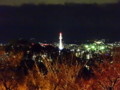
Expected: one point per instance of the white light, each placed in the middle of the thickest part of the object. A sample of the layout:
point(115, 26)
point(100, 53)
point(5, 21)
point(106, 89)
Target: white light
point(93, 47)
point(86, 46)
point(98, 42)
point(78, 50)
point(72, 50)
point(88, 56)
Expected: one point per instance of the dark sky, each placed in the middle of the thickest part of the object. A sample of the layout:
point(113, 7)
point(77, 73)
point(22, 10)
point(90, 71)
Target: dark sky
point(77, 22)
point(20, 2)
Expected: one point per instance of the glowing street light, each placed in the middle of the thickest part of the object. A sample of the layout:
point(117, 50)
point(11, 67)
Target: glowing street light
point(102, 47)
point(86, 46)
point(93, 47)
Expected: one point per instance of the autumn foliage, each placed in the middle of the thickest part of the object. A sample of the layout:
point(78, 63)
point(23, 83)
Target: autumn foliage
point(103, 75)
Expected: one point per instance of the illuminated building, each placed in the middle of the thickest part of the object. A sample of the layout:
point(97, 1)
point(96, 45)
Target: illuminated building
point(60, 41)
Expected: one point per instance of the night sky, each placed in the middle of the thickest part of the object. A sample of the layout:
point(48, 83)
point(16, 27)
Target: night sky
point(20, 2)
point(78, 22)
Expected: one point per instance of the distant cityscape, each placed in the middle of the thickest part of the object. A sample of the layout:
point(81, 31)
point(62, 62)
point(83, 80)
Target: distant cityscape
point(89, 50)
point(59, 45)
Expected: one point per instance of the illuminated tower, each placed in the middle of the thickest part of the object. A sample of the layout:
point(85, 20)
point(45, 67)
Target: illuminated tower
point(60, 41)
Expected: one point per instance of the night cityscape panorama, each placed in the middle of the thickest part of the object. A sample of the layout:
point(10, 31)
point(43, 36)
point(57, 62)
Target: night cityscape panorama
point(59, 45)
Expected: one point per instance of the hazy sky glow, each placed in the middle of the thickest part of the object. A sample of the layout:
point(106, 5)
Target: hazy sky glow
point(20, 2)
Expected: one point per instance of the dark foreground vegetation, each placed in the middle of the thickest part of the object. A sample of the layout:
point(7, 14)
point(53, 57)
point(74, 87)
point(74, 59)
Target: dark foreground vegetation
point(20, 72)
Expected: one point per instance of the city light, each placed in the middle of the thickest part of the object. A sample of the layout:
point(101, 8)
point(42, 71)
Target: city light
point(86, 46)
point(102, 47)
point(93, 47)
